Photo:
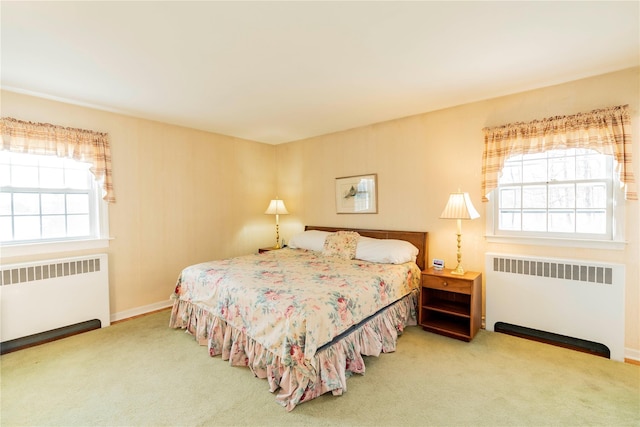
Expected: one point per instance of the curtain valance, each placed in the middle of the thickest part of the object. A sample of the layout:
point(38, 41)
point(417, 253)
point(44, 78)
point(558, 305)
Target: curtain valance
point(47, 139)
point(607, 131)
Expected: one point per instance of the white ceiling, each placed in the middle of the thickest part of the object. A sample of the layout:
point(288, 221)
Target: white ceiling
point(280, 71)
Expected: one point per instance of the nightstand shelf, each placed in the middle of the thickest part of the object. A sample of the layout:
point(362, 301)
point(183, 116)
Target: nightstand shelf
point(444, 325)
point(447, 302)
point(451, 304)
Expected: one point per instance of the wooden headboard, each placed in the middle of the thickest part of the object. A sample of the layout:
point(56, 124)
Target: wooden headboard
point(420, 239)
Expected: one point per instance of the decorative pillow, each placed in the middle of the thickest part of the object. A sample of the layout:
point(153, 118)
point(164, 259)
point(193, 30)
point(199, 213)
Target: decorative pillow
point(312, 240)
point(386, 251)
point(341, 244)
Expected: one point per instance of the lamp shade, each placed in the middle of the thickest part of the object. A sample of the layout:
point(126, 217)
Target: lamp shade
point(276, 207)
point(459, 206)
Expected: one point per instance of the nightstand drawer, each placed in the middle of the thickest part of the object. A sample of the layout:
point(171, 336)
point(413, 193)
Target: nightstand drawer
point(447, 284)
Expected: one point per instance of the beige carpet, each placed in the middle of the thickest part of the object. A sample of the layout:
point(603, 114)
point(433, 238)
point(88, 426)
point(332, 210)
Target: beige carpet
point(140, 372)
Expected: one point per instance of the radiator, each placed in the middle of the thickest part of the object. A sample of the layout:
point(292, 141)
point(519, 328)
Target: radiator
point(41, 296)
point(573, 298)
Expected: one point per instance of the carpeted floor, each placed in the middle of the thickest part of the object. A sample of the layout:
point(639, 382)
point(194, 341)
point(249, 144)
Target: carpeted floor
point(141, 373)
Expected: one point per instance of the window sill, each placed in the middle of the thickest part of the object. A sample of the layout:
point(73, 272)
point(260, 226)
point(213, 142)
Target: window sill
point(567, 243)
point(11, 251)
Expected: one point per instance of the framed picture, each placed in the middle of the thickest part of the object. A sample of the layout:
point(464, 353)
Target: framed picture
point(357, 194)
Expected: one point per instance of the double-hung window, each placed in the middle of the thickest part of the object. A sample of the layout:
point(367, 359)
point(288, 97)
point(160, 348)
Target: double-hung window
point(562, 193)
point(55, 183)
point(563, 178)
point(46, 199)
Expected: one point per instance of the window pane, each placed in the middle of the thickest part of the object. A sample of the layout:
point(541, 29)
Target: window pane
point(562, 196)
point(562, 221)
point(77, 179)
point(510, 220)
point(76, 164)
point(26, 204)
point(5, 175)
point(77, 203)
point(562, 168)
point(53, 226)
point(591, 222)
point(591, 167)
point(561, 153)
point(24, 159)
point(511, 173)
point(510, 198)
point(534, 156)
point(591, 195)
point(534, 196)
point(5, 157)
point(51, 178)
point(6, 233)
point(51, 161)
point(534, 171)
point(52, 204)
point(78, 225)
point(5, 203)
point(27, 227)
point(24, 176)
point(534, 221)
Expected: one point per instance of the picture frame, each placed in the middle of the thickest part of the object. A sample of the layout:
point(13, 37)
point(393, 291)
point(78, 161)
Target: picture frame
point(357, 194)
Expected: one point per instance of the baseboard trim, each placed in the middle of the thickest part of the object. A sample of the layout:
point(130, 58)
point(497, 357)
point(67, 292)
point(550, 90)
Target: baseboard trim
point(123, 315)
point(632, 356)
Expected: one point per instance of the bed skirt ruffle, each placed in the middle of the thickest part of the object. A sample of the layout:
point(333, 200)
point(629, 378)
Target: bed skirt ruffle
point(334, 362)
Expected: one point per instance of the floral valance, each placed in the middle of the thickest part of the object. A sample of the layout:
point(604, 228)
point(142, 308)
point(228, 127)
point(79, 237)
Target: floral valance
point(78, 144)
point(607, 131)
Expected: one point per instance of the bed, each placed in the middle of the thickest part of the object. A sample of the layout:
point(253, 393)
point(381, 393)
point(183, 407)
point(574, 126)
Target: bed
point(304, 316)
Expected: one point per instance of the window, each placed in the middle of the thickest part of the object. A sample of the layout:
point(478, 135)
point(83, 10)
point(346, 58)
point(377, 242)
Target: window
point(562, 178)
point(48, 199)
point(558, 193)
point(55, 183)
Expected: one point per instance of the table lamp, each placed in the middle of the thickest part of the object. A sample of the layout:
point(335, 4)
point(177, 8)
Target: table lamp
point(459, 207)
point(277, 208)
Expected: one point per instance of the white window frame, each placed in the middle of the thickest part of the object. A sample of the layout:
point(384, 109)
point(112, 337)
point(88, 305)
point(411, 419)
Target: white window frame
point(613, 242)
point(99, 217)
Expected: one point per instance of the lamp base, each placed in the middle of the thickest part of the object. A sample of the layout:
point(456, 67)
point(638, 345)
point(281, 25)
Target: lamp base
point(459, 271)
point(277, 245)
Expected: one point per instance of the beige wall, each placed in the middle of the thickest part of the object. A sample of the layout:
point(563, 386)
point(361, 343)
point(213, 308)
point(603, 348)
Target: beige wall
point(186, 196)
point(183, 196)
point(421, 159)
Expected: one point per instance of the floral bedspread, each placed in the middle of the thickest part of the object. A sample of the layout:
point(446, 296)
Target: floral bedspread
point(292, 302)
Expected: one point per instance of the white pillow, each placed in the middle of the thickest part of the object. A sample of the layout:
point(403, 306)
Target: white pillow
point(312, 240)
point(386, 251)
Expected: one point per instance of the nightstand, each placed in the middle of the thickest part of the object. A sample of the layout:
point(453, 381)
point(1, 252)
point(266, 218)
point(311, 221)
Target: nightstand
point(451, 304)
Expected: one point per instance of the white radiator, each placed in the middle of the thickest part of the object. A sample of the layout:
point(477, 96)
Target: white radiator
point(41, 296)
point(574, 298)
